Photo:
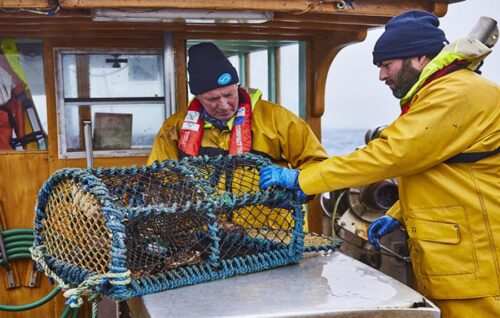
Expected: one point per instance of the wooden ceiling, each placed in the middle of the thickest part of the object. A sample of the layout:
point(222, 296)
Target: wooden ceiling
point(292, 20)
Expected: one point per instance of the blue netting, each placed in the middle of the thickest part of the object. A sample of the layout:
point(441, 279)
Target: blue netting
point(133, 231)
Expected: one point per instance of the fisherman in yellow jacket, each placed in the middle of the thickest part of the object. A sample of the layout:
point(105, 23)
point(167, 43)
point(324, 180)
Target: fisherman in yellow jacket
point(224, 118)
point(445, 150)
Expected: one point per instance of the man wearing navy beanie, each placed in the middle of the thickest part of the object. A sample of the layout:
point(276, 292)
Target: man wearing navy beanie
point(209, 68)
point(445, 150)
point(224, 118)
point(414, 34)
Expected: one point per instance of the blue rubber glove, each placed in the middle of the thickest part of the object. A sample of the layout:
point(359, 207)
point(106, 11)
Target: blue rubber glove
point(275, 175)
point(380, 227)
point(286, 178)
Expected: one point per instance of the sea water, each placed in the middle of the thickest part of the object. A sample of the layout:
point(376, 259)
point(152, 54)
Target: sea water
point(338, 142)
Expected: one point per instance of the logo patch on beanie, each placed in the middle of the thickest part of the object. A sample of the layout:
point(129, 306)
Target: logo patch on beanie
point(224, 79)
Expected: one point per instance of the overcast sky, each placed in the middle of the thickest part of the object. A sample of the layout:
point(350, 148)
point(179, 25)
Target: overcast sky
point(355, 98)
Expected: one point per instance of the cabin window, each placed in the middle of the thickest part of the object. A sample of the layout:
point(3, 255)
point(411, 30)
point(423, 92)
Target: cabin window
point(291, 78)
point(276, 68)
point(23, 107)
point(258, 72)
point(120, 92)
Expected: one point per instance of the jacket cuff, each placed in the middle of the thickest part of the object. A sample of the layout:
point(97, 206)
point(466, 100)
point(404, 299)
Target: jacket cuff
point(311, 180)
point(395, 212)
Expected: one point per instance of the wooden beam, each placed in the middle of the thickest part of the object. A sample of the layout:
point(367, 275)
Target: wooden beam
point(79, 25)
point(83, 21)
point(49, 65)
point(26, 4)
point(311, 25)
point(320, 54)
point(61, 33)
point(253, 34)
point(181, 73)
point(361, 7)
point(344, 19)
point(323, 51)
point(237, 36)
point(146, 35)
point(86, 23)
point(61, 14)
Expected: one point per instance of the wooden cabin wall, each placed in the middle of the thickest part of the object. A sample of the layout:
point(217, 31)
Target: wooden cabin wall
point(23, 173)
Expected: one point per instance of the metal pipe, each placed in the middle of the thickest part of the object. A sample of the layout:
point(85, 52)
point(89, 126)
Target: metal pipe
point(396, 255)
point(87, 126)
point(486, 31)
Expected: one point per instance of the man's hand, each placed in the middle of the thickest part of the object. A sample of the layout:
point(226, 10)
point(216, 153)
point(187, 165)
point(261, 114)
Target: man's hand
point(380, 227)
point(283, 177)
point(286, 178)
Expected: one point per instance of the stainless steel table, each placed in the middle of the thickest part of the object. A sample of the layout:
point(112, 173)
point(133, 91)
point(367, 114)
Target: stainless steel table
point(331, 285)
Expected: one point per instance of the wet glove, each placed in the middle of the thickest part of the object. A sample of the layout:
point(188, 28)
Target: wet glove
point(275, 175)
point(286, 178)
point(380, 227)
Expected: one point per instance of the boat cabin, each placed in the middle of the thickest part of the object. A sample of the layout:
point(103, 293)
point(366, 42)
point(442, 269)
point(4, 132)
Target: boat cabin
point(119, 67)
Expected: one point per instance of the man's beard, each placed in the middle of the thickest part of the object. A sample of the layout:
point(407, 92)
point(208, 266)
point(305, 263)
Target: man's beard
point(405, 79)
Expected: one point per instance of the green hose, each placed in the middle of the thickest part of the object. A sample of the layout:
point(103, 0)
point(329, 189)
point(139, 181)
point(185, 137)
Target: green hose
point(32, 305)
point(17, 243)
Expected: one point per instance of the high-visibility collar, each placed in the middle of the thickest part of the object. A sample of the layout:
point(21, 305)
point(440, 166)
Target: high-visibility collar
point(240, 125)
point(455, 66)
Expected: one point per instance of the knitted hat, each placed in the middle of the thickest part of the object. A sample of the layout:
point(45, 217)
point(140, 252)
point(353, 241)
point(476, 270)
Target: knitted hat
point(413, 33)
point(209, 68)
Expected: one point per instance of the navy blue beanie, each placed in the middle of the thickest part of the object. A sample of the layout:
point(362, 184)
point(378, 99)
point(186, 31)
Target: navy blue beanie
point(413, 33)
point(209, 68)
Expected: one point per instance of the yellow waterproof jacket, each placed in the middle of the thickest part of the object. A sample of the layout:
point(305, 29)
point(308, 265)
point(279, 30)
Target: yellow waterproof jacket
point(451, 211)
point(276, 133)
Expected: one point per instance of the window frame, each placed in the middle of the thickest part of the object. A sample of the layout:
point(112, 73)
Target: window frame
point(63, 152)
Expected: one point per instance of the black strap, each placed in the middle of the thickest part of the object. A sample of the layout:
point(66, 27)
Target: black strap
point(36, 136)
point(469, 157)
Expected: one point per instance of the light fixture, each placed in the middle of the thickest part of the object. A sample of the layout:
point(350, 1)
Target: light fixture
point(182, 15)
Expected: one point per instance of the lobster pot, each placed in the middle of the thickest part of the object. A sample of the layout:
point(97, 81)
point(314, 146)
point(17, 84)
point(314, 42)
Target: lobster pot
point(172, 224)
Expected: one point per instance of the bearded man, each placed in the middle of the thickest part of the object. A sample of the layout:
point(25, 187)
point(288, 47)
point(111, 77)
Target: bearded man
point(444, 149)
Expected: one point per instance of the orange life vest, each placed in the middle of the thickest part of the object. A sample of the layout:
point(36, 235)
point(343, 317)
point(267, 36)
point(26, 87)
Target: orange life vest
point(241, 132)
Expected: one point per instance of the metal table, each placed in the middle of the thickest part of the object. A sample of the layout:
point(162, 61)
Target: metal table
point(331, 285)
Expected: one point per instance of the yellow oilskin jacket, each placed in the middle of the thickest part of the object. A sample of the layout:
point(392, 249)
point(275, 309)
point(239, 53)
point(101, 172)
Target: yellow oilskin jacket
point(451, 211)
point(276, 132)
